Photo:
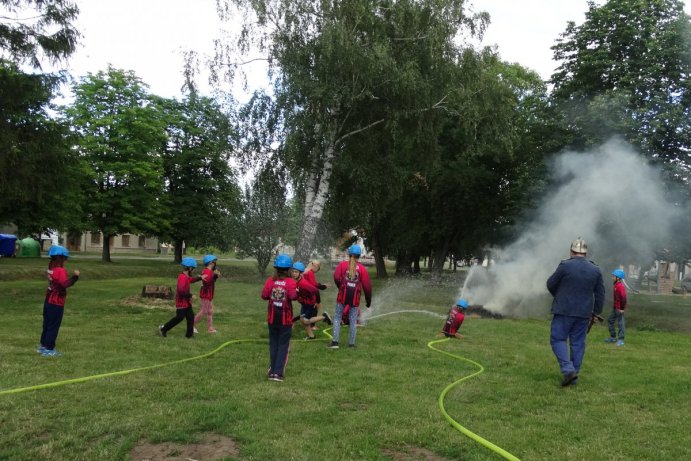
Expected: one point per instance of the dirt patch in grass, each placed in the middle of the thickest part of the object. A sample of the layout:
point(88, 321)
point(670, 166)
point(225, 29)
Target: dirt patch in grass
point(211, 448)
point(476, 311)
point(147, 303)
point(408, 453)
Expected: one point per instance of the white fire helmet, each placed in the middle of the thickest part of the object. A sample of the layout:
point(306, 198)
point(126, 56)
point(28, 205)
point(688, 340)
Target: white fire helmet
point(579, 246)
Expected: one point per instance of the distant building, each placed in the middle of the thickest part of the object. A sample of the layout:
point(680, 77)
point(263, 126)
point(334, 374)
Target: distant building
point(93, 242)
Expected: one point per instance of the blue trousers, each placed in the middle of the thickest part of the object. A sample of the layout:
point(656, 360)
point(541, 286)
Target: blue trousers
point(352, 318)
point(52, 319)
point(621, 323)
point(279, 346)
point(567, 338)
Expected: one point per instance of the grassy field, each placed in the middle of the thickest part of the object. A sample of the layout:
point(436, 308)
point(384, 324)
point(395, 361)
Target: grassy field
point(375, 402)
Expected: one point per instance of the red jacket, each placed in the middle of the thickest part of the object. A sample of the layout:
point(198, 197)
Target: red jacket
point(349, 289)
point(58, 282)
point(619, 295)
point(307, 292)
point(206, 291)
point(309, 275)
point(183, 297)
point(453, 321)
point(280, 293)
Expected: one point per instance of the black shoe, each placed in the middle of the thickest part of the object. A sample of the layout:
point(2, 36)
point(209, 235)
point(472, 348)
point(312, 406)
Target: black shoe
point(569, 378)
point(161, 331)
point(327, 319)
point(333, 345)
point(351, 346)
point(296, 318)
point(309, 338)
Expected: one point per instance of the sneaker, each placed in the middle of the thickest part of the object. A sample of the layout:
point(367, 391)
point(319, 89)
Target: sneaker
point(50, 353)
point(611, 340)
point(327, 319)
point(333, 345)
point(296, 318)
point(620, 342)
point(271, 377)
point(309, 338)
point(41, 349)
point(195, 330)
point(569, 378)
point(279, 378)
point(213, 330)
point(352, 346)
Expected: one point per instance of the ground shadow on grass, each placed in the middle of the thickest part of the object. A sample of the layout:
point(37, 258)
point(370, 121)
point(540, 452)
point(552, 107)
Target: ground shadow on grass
point(211, 448)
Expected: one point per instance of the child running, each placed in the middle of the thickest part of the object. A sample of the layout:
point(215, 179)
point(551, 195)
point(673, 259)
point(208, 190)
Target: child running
point(307, 297)
point(618, 307)
point(351, 278)
point(279, 290)
point(183, 300)
point(455, 319)
point(206, 292)
point(54, 304)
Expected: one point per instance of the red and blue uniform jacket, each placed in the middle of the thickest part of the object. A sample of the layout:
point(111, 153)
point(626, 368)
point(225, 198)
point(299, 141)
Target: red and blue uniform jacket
point(453, 321)
point(183, 296)
point(206, 291)
point(280, 292)
point(58, 282)
point(309, 275)
point(349, 289)
point(619, 295)
point(307, 292)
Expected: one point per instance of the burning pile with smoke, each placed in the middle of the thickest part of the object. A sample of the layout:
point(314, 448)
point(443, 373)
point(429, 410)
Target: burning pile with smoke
point(611, 197)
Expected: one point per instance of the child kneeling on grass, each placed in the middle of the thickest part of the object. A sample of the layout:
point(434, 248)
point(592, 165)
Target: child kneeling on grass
point(455, 319)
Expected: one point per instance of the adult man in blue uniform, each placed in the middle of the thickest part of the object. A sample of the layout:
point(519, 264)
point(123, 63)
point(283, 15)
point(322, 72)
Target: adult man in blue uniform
point(579, 293)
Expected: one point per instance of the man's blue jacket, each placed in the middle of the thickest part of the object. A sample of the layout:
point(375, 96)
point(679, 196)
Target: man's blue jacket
point(577, 288)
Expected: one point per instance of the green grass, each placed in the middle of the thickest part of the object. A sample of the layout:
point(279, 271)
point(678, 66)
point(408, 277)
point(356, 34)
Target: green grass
point(362, 404)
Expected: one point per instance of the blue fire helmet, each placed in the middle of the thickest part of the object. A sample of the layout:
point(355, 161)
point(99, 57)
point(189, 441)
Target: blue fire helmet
point(619, 273)
point(209, 259)
point(462, 303)
point(189, 262)
point(283, 261)
point(57, 250)
point(298, 266)
point(355, 250)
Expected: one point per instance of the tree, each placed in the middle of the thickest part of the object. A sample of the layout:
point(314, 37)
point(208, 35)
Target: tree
point(39, 187)
point(120, 133)
point(264, 215)
point(200, 186)
point(341, 69)
point(32, 29)
point(626, 71)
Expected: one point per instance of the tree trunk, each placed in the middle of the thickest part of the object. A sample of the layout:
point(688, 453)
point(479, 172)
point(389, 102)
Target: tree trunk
point(317, 191)
point(440, 258)
point(378, 258)
point(416, 265)
point(177, 246)
point(403, 263)
point(105, 254)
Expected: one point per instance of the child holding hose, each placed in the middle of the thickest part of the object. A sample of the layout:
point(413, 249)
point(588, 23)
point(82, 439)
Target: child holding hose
point(455, 319)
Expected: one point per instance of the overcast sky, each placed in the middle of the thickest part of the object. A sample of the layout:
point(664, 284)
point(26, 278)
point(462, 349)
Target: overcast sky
point(149, 36)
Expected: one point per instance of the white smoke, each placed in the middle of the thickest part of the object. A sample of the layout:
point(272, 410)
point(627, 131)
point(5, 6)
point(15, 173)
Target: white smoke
point(611, 197)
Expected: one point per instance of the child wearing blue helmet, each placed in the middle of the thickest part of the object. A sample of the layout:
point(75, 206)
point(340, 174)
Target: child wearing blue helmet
point(618, 307)
point(206, 293)
point(455, 319)
point(183, 299)
point(54, 304)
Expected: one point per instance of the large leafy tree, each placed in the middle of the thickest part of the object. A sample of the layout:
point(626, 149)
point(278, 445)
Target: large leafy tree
point(201, 191)
point(120, 130)
point(263, 220)
point(626, 71)
point(33, 30)
point(341, 69)
point(39, 187)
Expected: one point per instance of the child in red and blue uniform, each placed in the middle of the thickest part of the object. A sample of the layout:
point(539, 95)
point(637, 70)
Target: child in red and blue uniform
point(307, 297)
point(351, 278)
point(455, 319)
point(54, 304)
point(280, 290)
point(618, 307)
point(183, 299)
point(206, 293)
